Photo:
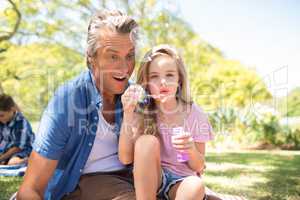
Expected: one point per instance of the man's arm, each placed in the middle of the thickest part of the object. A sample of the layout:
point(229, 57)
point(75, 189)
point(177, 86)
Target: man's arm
point(37, 176)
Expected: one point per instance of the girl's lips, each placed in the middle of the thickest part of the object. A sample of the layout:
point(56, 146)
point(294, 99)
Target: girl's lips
point(163, 91)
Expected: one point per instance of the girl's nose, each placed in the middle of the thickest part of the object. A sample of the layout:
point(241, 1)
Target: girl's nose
point(163, 81)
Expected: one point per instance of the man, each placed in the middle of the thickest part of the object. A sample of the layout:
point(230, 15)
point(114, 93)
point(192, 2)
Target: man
point(75, 153)
point(16, 135)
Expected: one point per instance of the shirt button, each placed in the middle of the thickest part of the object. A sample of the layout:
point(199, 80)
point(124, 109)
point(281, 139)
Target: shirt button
point(80, 170)
point(96, 118)
point(90, 144)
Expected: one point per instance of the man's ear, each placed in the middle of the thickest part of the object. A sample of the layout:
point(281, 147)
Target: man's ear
point(91, 61)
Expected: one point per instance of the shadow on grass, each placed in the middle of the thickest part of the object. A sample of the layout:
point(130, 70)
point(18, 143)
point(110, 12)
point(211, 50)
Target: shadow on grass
point(284, 179)
point(279, 179)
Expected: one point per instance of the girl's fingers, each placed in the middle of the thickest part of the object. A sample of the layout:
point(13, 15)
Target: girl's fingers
point(183, 136)
point(180, 141)
point(185, 145)
point(182, 147)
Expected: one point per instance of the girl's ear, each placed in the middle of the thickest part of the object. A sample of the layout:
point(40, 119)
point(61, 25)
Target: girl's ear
point(179, 83)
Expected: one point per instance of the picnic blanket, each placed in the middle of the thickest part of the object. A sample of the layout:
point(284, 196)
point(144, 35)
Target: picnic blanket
point(13, 170)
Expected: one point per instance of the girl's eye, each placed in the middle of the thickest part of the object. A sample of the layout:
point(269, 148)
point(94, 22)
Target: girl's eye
point(170, 75)
point(153, 76)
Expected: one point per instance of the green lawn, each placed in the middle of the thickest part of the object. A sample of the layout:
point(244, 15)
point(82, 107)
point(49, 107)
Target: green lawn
point(8, 185)
point(262, 175)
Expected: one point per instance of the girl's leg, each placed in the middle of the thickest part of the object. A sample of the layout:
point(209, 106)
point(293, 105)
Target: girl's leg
point(191, 188)
point(147, 169)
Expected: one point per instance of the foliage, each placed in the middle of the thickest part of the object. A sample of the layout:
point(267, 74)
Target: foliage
point(48, 48)
point(32, 72)
point(257, 124)
point(291, 104)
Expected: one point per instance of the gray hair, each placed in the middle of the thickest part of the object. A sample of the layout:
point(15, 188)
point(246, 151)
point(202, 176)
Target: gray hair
point(114, 20)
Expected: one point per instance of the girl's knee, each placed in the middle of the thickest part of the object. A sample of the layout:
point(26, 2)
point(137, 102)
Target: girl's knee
point(194, 187)
point(146, 143)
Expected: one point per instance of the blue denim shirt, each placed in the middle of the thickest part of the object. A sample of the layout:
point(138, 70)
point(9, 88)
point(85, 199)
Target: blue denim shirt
point(67, 131)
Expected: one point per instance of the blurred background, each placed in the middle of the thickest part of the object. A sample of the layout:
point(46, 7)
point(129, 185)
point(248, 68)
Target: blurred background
point(242, 58)
point(243, 63)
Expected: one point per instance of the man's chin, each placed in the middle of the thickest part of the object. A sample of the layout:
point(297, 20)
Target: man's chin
point(118, 91)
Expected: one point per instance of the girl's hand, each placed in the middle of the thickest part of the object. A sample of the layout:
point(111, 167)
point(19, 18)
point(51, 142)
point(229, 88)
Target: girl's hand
point(183, 142)
point(130, 98)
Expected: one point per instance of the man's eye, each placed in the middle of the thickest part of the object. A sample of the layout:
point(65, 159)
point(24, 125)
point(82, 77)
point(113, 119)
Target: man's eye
point(130, 56)
point(114, 57)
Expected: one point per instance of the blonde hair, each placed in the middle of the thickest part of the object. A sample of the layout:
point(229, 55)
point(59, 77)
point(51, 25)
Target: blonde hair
point(183, 91)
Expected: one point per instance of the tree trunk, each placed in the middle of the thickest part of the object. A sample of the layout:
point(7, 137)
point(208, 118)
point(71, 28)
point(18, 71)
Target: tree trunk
point(10, 34)
point(1, 89)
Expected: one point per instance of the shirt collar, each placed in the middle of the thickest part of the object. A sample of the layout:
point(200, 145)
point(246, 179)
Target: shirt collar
point(17, 117)
point(96, 97)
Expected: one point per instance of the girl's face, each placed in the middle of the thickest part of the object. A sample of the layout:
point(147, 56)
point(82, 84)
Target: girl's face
point(163, 78)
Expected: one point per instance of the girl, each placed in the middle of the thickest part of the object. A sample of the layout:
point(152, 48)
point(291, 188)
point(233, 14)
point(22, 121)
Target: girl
point(146, 134)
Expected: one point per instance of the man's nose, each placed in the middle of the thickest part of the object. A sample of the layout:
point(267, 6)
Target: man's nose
point(124, 66)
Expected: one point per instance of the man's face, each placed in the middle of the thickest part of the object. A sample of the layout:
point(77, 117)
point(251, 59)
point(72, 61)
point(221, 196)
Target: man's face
point(6, 116)
point(114, 62)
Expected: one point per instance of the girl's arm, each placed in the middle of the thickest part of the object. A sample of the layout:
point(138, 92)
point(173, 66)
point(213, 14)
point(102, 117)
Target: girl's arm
point(196, 151)
point(197, 157)
point(130, 131)
point(130, 126)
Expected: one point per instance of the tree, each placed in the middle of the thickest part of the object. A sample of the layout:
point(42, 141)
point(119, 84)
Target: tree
point(290, 105)
point(47, 41)
point(7, 35)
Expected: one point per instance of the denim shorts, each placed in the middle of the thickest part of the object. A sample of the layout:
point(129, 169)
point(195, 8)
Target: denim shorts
point(168, 180)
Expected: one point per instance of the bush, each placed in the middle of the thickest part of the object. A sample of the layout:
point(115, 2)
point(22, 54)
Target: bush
point(255, 124)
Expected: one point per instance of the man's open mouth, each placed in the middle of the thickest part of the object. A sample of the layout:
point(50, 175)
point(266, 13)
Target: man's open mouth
point(120, 78)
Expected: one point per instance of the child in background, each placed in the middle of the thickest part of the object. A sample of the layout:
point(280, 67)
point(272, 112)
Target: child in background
point(16, 136)
point(147, 137)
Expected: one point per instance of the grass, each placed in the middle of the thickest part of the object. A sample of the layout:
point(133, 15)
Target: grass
point(260, 175)
point(8, 185)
